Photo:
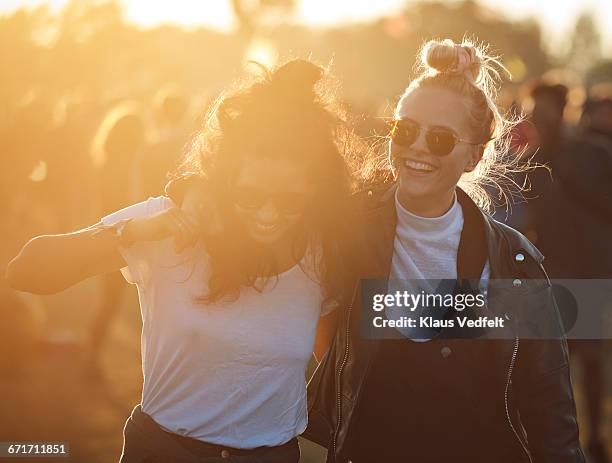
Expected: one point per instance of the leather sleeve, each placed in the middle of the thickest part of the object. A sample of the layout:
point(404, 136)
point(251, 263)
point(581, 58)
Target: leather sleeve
point(321, 399)
point(545, 396)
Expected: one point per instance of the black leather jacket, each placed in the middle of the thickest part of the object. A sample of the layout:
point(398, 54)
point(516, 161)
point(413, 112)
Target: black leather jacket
point(532, 376)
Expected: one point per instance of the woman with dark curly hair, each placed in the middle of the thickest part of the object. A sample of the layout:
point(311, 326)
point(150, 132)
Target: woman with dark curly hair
point(233, 282)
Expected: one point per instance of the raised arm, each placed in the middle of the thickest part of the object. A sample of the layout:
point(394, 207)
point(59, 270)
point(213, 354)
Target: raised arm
point(48, 264)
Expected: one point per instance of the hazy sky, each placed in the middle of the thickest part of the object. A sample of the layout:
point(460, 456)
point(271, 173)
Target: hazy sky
point(557, 17)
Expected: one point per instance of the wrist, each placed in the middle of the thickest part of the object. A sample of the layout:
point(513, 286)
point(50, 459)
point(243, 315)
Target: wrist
point(119, 231)
point(125, 233)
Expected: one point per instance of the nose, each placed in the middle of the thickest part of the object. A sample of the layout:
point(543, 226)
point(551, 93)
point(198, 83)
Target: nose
point(268, 212)
point(420, 144)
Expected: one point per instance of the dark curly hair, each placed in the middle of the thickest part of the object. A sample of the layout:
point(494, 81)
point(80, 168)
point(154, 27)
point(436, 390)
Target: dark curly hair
point(290, 113)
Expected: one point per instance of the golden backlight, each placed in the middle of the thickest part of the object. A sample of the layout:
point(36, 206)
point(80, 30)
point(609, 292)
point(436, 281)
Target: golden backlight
point(218, 14)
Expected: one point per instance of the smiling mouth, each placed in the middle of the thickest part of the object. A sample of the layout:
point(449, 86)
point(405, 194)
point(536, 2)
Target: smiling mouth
point(266, 228)
point(418, 166)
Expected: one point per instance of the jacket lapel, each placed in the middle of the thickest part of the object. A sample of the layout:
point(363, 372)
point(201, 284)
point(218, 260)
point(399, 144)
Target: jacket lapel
point(386, 216)
point(473, 246)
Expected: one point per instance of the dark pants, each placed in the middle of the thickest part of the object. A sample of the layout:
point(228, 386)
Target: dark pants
point(144, 441)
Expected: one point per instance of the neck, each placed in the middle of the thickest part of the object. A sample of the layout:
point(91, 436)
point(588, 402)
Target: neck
point(287, 252)
point(428, 206)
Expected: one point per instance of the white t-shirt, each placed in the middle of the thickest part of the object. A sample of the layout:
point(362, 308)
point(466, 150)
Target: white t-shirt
point(230, 373)
point(425, 249)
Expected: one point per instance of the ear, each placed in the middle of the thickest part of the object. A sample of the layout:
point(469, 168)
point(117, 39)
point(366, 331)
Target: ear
point(475, 158)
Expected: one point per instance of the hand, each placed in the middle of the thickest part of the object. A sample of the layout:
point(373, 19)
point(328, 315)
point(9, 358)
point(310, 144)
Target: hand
point(169, 223)
point(199, 204)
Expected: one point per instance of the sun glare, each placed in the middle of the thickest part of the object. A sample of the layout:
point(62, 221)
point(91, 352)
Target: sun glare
point(262, 51)
point(218, 14)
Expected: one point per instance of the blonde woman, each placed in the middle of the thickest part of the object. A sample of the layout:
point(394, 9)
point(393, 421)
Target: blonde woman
point(505, 400)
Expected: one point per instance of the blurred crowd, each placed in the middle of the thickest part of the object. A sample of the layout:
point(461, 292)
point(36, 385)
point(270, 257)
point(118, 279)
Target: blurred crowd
point(95, 120)
point(568, 215)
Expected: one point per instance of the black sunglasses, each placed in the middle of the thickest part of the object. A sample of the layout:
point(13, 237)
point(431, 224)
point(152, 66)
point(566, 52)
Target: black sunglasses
point(440, 141)
point(288, 203)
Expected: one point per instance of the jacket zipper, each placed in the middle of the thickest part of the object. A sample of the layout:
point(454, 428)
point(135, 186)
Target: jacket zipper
point(512, 362)
point(338, 391)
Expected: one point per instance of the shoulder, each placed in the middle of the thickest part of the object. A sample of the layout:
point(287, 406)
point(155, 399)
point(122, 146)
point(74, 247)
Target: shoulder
point(372, 197)
point(517, 248)
point(510, 252)
point(515, 239)
point(146, 208)
point(157, 204)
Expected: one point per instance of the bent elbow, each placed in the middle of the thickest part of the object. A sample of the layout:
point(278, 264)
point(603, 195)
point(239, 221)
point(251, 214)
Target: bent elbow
point(20, 278)
point(11, 274)
point(14, 276)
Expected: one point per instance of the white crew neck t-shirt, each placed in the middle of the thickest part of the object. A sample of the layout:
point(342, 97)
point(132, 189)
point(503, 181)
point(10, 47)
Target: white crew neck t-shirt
point(230, 373)
point(426, 247)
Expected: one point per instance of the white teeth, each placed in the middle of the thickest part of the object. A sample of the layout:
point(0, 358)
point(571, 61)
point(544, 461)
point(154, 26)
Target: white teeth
point(266, 228)
point(418, 165)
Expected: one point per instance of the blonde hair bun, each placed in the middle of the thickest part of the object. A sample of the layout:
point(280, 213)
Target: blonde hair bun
point(447, 57)
point(469, 70)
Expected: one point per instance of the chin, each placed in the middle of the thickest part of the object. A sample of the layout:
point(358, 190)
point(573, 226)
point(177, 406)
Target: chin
point(266, 238)
point(415, 188)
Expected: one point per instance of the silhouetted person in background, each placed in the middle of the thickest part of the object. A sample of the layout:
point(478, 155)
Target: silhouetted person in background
point(543, 205)
point(515, 214)
point(116, 147)
point(597, 118)
point(585, 222)
point(168, 137)
point(24, 209)
point(570, 219)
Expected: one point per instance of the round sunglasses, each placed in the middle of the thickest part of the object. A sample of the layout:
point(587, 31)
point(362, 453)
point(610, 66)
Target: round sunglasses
point(440, 140)
point(288, 203)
